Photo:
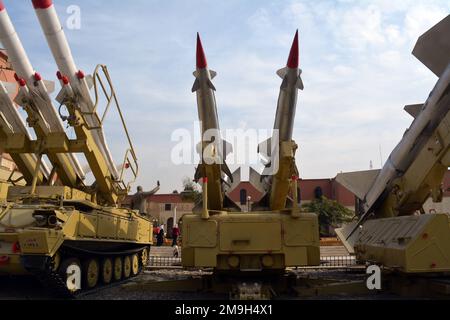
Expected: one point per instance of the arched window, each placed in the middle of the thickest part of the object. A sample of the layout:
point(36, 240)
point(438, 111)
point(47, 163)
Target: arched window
point(318, 192)
point(243, 196)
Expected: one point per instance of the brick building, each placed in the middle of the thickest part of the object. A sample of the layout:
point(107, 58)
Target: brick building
point(308, 188)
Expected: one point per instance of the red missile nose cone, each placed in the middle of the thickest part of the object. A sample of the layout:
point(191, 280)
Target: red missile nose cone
point(42, 4)
point(2, 6)
point(293, 55)
point(201, 59)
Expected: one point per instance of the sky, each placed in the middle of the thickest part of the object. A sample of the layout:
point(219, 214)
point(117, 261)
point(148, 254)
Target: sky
point(358, 71)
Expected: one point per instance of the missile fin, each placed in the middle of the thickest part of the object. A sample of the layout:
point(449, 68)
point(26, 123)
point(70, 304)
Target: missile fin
point(10, 87)
point(227, 171)
point(227, 148)
point(433, 47)
point(414, 109)
point(358, 183)
point(300, 83)
point(284, 84)
point(196, 85)
point(282, 73)
point(210, 85)
point(213, 74)
point(61, 97)
point(343, 235)
point(198, 173)
point(256, 180)
point(89, 81)
point(49, 85)
point(265, 148)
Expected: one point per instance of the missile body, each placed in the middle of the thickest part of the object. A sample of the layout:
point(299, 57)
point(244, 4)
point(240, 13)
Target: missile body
point(415, 139)
point(213, 149)
point(62, 54)
point(33, 93)
point(280, 149)
point(415, 168)
point(12, 123)
point(287, 100)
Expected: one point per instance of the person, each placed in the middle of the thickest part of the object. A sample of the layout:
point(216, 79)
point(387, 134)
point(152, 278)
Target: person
point(138, 200)
point(175, 234)
point(160, 238)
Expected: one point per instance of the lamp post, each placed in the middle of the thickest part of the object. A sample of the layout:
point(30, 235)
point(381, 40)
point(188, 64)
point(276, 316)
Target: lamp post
point(248, 203)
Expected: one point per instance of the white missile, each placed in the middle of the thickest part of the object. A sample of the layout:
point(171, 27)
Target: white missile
point(11, 122)
point(80, 83)
point(33, 89)
point(371, 187)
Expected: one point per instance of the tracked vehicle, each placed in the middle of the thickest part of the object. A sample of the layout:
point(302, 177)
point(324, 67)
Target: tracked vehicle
point(274, 234)
point(71, 235)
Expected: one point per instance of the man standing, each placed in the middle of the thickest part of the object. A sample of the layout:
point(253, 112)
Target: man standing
point(139, 199)
point(175, 234)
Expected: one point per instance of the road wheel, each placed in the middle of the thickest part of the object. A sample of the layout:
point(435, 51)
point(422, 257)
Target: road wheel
point(70, 271)
point(91, 272)
point(126, 267)
point(56, 261)
point(118, 268)
point(144, 257)
point(135, 265)
point(107, 270)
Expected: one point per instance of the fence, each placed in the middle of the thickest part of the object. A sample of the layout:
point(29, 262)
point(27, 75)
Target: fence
point(330, 261)
point(161, 261)
point(337, 261)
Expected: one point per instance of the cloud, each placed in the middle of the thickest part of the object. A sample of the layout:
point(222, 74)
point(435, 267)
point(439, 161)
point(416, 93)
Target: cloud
point(355, 55)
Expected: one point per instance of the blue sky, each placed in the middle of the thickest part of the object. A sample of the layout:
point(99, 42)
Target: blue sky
point(356, 59)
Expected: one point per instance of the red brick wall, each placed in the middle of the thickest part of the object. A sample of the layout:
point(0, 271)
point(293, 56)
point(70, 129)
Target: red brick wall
point(235, 194)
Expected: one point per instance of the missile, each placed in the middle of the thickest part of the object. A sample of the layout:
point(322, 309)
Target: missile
point(422, 150)
point(280, 157)
point(287, 100)
point(11, 122)
point(34, 91)
point(213, 149)
point(69, 74)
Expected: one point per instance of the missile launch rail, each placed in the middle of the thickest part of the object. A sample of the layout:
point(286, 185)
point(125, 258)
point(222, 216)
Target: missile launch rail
point(393, 229)
point(71, 235)
point(274, 236)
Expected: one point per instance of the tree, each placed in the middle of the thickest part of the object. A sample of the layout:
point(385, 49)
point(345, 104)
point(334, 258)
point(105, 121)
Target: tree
point(190, 190)
point(330, 213)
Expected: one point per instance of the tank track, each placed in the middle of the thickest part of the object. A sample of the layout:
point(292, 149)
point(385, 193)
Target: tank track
point(55, 284)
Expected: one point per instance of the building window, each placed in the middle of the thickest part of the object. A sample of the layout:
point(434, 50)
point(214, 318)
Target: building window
point(299, 195)
point(243, 196)
point(168, 207)
point(318, 193)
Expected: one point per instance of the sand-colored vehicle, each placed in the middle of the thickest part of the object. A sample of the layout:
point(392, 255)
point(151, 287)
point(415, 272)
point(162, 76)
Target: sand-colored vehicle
point(70, 234)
